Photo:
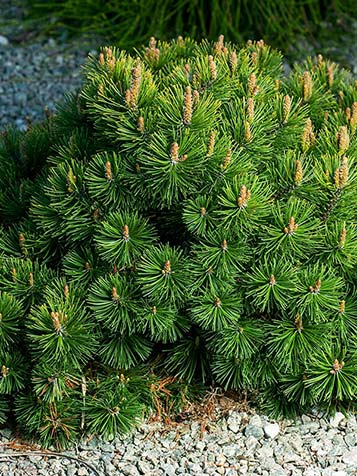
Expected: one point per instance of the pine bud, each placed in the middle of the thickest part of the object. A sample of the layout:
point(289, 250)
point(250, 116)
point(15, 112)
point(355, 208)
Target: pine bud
point(277, 85)
point(152, 42)
point(196, 97)
point(342, 307)
point(342, 240)
point(353, 121)
point(234, 61)
point(108, 171)
point(320, 60)
point(22, 243)
point(307, 86)
point(154, 310)
point(66, 291)
point(217, 302)
point(348, 114)
point(212, 68)
point(111, 63)
point(101, 59)
point(115, 296)
point(187, 111)
point(286, 108)
point(0, 317)
point(126, 236)
point(315, 289)
point(330, 77)
point(341, 173)
point(203, 211)
point(298, 323)
point(272, 280)
point(211, 143)
point(343, 139)
point(187, 69)
point(224, 245)
point(308, 137)
point(292, 227)
point(135, 85)
point(298, 172)
point(96, 214)
point(128, 97)
point(167, 268)
point(260, 43)
point(254, 58)
point(56, 321)
point(250, 109)
point(219, 45)
point(152, 53)
point(141, 127)
point(14, 274)
point(108, 52)
point(244, 196)
point(336, 367)
point(249, 43)
point(252, 84)
point(31, 280)
point(4, 371)
point(87, 266)
point(174, 152)
point(247, 132)
point(227, 159)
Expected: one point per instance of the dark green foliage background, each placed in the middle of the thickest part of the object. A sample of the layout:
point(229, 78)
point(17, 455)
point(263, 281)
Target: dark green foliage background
point(126, 23)
point(145, 235)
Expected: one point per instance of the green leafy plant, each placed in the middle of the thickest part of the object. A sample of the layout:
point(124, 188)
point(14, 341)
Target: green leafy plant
point(192, 222)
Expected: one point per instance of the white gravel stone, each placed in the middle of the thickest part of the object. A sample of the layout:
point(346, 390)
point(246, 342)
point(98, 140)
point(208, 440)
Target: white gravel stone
point(233, 423)
point(350, 457)
point(337, 419)
point(256, 421)
point(312, 472)
point(271, 430)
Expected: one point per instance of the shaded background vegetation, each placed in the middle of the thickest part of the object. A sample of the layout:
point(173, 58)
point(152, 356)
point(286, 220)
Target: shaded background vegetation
point(128, 23)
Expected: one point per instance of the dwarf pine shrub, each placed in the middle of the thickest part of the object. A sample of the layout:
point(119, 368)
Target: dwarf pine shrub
point(190, 211)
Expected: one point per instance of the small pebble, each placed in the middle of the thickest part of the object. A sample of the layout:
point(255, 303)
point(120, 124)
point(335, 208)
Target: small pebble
point(271, 430)
point(3, 41)
point(337, 419)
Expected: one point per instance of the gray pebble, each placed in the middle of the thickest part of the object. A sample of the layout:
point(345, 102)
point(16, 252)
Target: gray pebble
point(256, 431)
point(3, 41)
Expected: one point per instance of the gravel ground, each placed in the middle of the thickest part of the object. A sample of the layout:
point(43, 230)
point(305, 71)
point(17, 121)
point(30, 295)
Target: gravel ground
point(234, 445)
point(36, 72)
point(35, 76)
